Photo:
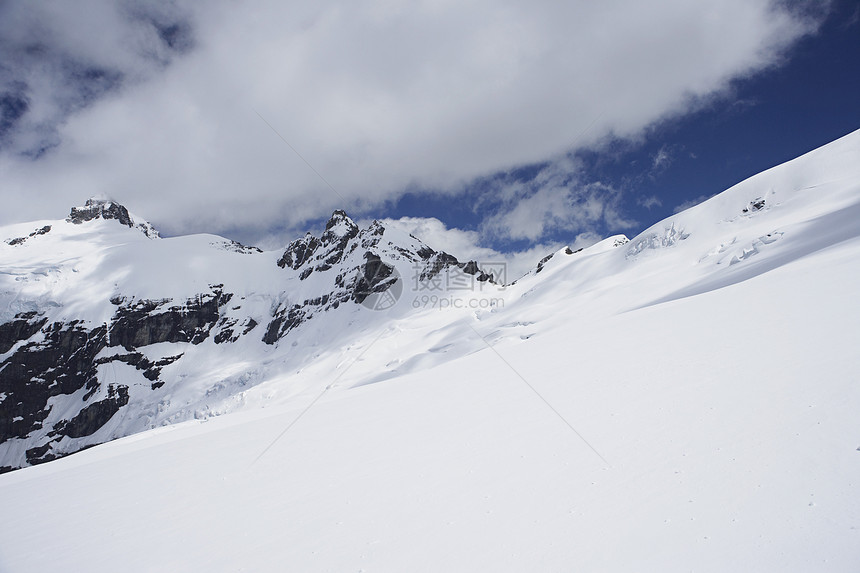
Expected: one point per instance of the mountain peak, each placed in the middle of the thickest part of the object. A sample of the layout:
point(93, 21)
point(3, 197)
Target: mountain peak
point(100, 208)
point(337, 216)
point(104, 208)
point(340, 225)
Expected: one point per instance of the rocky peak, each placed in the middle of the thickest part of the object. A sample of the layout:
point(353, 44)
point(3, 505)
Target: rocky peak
point(339, 227)
point(100, 209)
point(326, 250)
point(96, 208)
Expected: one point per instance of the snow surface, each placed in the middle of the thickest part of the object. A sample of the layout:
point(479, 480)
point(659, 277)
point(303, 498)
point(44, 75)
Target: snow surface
point(697, 411)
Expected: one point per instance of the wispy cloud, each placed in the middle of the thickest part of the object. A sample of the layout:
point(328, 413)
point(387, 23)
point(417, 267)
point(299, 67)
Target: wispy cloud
point(649, 202)
point(662, 159)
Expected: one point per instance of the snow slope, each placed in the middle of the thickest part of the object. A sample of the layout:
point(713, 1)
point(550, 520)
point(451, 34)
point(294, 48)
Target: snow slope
point(683, 401)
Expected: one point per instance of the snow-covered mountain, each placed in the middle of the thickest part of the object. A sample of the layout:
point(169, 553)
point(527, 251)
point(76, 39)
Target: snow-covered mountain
point(685, 400)
point(107, 329)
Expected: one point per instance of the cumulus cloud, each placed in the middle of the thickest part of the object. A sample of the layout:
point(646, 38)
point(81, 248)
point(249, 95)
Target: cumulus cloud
point(465, 245)
point(556, 199)
point(461, 243)
point(156, 104)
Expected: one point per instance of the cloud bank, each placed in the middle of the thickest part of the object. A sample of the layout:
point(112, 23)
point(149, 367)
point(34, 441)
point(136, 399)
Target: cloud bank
point(159, 105)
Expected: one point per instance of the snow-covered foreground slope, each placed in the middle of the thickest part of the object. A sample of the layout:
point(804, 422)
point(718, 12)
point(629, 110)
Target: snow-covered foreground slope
point(684, 401)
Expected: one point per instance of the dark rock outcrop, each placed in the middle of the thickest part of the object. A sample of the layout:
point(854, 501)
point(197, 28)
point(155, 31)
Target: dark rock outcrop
point(756, 204)
point(376, 276)
point(321, 254)
point(226, 332)
point(472, 268)
point(20, 240)
point(108, 210)
point(542, 262)
point(90, 419)
point(100, 209)
point(147, 321)
point(21, 328)
point(299, 252)
point(436, 264)
point(54, 359)
point(62, 362)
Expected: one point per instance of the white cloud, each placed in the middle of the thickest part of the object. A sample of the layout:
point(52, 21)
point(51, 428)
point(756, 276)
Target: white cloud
point(462, 244)
point(555, 200)
point(465, 244)
point(378, 96)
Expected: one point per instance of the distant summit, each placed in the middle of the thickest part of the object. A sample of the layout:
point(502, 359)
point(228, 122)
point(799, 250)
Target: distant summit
point(341, 225)
point(97, 208)
point(100, 209)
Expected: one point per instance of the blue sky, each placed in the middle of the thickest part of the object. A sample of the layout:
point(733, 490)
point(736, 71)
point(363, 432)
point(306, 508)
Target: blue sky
point(488, 128)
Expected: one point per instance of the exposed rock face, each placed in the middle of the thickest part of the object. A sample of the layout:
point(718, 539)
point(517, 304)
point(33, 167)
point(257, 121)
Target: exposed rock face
point(288, 318)
point(22, 327)
point(436, 263)
point(62, 359)
point(229, 330)
point(471, 268)
point(20, 240)
point(756, 204)
point(94, 416)
point(544, 261)
point(57, 359)
point(376, 276)
point(100, 209)
point(151, 321)
point(107, 210)
point(299, 251)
